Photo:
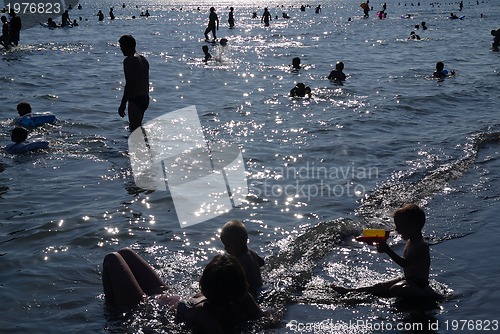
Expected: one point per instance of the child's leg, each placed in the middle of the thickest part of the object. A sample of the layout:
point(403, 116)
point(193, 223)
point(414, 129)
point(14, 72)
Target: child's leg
point(120, 286)
point(405, 289)
point(144, 274)
point(379, 289)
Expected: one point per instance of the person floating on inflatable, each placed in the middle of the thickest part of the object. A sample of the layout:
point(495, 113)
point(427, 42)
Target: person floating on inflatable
point(441, 72)
point(20, 144)
point(30, 120)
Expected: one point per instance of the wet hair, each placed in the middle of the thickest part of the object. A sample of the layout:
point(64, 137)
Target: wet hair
point(296, 62)
point(234, 230)
point(410, 213)
point(339, 66)
point(439, 66)
point(128, 42)
point(212, 9)
point(24, 108)
point(19, 135)
point(223, 280)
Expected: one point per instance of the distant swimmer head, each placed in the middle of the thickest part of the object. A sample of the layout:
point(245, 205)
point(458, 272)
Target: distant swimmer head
point(223, 42)
point(231, 8)
point(339, 66)
point(19, 135)
point(212, 9)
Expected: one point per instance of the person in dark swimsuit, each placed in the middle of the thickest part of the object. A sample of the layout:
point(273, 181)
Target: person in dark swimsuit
point(136, 92)
point(213, 24)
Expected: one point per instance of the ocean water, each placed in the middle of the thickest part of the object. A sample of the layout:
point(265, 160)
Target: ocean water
point(319, 169)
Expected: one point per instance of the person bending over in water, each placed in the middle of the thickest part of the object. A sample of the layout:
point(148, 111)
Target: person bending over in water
point(409, 221)
point(223, 303)
point(234, 236)
point(496, 39)
point(208, 56)
point(413, 35)
point(213, 24)
point(136, 92)
point(337, 74)
point(441, 72)
point(300, 90)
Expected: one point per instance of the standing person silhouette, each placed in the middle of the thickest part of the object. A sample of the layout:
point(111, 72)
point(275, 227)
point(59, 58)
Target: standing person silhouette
point(65, 20)
point(15, 28)
point(5, 38)
point(136, 91)
point(213, 24)
point(266, 17)
point(230, 19)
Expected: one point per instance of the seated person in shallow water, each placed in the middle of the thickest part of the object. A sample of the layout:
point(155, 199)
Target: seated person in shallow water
point(441, 72)
point(234, 236)
point(337, 74)
point(414, 285)
point(300, 90)
point(223, 303)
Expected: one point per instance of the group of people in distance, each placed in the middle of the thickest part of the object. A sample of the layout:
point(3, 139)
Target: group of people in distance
point(230, 282)
point(11, 30)
point(338, 75)
point(301, 90)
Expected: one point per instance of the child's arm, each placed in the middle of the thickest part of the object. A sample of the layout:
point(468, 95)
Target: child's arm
point(383, 247)
point(412, 253)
